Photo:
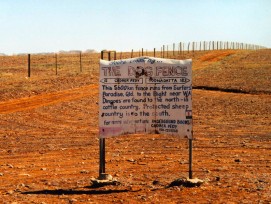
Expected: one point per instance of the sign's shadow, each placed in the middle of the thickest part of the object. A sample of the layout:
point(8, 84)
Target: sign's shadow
point(73, 192)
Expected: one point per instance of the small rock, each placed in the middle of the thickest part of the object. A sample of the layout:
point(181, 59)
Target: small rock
point(28, 175)
point(143, 198)
point(21, 185)
point(43, 169)
point(72, 200)
point(186, 182)
point(10, 192)
point(130, 160)
point(237, 160)
point(156, 182)
point(259, 188)
point(84, 171)
point(10, 165)
point(177, 188)
point(1, 174)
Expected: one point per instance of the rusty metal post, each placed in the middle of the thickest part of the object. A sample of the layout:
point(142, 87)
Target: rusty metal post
point(102, 142)
point(102, 158)
point(102, 174)
point(190, 159)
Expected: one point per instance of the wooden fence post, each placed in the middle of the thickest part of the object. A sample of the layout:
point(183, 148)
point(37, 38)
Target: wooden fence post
point(188, 47)
point(153, 52)
point(29, 71)
point(80, 60)
point(56, 62)
point(161, 53)
point(132, 53)
point(194, 47)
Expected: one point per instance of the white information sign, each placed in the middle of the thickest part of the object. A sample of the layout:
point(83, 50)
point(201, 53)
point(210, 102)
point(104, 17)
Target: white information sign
point(145, 95)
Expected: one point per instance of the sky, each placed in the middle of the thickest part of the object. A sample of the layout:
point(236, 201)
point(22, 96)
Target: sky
point(35, 26)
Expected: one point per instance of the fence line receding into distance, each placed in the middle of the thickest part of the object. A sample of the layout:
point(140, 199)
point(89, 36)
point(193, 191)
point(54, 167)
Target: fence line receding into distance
point(82, 62)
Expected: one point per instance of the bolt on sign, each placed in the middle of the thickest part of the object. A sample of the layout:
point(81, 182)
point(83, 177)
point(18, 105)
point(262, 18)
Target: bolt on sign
point(145, 95)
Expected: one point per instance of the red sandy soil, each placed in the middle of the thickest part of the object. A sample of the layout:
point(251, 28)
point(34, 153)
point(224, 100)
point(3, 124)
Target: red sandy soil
point(49, 149)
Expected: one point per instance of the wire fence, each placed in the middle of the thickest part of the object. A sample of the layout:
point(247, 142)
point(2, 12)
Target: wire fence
point(29, 65)
point(84, 62)
point(177, 49)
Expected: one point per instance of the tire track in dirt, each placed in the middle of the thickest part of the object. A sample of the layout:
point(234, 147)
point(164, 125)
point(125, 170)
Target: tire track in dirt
point(32, 102)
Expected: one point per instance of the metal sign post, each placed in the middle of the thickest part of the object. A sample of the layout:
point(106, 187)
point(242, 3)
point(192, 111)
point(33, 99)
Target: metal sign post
point(102, 159)
point(102, 174)
point(190, 158)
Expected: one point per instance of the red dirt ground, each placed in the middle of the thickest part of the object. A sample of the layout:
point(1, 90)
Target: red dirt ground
point(49, 145)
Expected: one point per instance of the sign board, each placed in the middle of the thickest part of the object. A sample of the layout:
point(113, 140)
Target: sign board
point(145, 95)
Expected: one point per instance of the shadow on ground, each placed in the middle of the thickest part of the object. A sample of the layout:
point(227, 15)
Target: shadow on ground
point(74, 192)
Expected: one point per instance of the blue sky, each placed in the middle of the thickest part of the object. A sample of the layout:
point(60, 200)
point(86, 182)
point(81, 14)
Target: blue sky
point(32, 26)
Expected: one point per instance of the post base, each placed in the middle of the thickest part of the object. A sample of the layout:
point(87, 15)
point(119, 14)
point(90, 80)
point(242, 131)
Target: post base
point(104, 180)
point(186, 182)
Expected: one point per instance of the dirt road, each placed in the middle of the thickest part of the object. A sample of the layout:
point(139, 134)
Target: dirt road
point(22, 104)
